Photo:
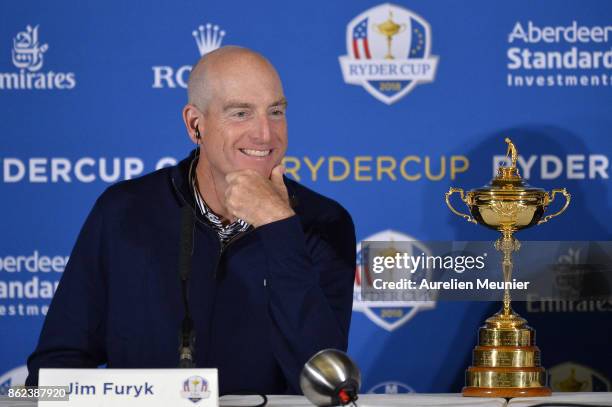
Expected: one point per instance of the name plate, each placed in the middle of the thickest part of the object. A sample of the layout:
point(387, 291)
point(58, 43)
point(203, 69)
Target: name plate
point(133, 387)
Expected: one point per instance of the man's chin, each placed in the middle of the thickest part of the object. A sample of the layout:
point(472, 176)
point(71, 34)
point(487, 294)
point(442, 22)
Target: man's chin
point(263, 169)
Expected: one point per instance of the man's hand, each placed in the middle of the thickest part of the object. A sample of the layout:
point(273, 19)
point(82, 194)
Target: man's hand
point(257, 200)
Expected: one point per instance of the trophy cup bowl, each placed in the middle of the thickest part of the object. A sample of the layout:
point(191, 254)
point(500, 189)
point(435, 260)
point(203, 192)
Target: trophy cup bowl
point(508, 203)
point(506, 361)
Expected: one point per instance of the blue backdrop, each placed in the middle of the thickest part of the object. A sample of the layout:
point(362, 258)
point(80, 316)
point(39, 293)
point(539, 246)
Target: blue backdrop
point(91, 93)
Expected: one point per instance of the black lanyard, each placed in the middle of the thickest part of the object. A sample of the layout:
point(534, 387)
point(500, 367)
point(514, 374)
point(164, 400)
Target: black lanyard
point(187, 333)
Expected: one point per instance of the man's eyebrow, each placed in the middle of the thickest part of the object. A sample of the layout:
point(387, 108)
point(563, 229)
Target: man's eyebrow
point(280, 102)
point(236, 105)
point(244, 105)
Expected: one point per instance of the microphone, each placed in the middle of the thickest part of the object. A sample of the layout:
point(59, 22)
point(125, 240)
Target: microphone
point(187, 345)
point(330, 378)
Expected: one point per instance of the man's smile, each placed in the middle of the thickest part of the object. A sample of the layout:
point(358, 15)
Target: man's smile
point(255, 153)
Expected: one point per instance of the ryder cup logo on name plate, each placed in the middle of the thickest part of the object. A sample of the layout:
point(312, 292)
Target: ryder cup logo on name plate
point(389, 52)
point(195, 389)
point(387, 313)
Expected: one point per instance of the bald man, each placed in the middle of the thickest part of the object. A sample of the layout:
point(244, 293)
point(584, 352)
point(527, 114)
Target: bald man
point(219, 261)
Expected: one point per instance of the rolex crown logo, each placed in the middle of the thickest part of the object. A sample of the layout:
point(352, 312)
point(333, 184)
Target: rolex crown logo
point(208, 38)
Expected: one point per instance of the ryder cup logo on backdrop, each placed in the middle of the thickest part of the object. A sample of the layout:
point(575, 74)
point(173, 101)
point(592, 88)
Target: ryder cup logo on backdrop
point(387, 313)
point(28, 55)
point(389, 52)
point(195, 389)
point(207, 38)
point(573, 377)
point(391, 387)
point(14, 377)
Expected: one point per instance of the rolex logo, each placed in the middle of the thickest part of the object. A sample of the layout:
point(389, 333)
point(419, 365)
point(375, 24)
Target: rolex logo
point(208, 38)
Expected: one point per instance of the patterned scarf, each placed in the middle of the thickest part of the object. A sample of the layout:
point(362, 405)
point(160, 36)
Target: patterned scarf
point(225, 233)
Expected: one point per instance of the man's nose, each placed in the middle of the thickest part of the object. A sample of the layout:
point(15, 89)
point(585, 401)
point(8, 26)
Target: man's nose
point(262, 133)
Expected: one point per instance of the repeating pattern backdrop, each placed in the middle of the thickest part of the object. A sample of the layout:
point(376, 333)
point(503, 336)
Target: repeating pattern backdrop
point(389, 105)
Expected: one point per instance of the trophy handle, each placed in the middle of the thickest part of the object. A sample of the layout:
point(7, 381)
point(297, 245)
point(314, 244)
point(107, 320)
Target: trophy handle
point(567, 196)
point(450, 206)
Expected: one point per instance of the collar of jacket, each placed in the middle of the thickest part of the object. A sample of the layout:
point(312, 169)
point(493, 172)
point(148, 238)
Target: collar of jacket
point(182, 187)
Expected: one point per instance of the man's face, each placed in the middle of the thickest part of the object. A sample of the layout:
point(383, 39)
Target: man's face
point(244, 124)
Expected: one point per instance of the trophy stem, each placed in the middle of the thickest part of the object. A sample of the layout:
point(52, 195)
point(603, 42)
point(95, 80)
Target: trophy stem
point(507, 244)
point(389, 55)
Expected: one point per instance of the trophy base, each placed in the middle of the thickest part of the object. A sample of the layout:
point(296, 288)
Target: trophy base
point(506, 392)
point(506, 361)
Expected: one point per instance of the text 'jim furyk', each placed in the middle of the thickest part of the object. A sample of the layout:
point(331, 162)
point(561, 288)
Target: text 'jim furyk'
point(111, 389)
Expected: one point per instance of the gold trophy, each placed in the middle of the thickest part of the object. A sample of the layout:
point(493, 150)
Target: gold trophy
point(506, 361)
point(389, 28)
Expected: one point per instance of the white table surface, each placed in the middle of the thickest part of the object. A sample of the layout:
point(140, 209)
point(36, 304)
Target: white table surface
point(597, 399)
point(410, 400)
point(370, 400)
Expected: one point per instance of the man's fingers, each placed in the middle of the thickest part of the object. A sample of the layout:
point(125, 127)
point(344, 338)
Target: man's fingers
point(232, 176)
point(230, 204)
point(256, 199)
point(277, 177)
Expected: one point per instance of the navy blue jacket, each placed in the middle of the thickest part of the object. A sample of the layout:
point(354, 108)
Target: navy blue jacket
point(261, 307)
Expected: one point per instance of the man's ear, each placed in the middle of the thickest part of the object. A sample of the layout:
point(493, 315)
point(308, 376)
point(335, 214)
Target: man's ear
point(192, 117)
